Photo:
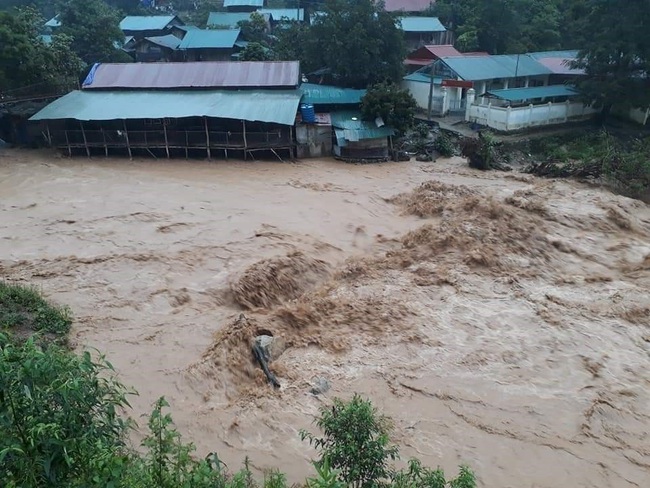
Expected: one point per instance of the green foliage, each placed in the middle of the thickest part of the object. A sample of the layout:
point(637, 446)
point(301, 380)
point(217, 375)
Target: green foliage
point(255, 51)
point(94, 28)
point(357, 41)
point(289, 42)
point(59, 417)
point(326, 476)
point(616, 55)
point(506, 26)
point(27, 65)
point(355, 441)
point(394, 105)
point(23, 307)
point(168, 462)
point(443, 145)
point(254, 29)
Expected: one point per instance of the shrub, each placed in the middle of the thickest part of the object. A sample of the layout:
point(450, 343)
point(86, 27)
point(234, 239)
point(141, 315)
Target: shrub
point(59, 417)
point(395, 106)
point(443, 145)
point(355, 442)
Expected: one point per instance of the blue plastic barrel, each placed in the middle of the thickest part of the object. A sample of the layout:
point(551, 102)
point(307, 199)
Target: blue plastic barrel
point(308, 113)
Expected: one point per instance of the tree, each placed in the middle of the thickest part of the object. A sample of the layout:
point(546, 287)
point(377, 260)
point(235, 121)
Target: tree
point(28, 65)
point(94, 28)
point(616, 55)
point(255, 51)
point(355, 442)
point(254, 29)
point(358, 41)
point(394, 105)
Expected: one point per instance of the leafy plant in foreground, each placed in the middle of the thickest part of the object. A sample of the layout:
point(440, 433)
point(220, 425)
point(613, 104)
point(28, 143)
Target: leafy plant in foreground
point(355, 441)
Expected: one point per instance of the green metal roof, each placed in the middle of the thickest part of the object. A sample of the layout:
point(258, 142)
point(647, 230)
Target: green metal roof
point(531, 93)
point(145, 22)
point(209, 39)
point(474, 68)
point(284, 13)
point(349, 126)
point(279, 106)
point(229, 19)
point(243, 3)
point(422, 78)
point(53, 22)
point(169, 41)
point(554, 54)
point(326, 94)
point(422, 24)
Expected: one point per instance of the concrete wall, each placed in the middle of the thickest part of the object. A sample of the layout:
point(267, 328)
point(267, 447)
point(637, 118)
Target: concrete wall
point(512, 119)
point(640, 116)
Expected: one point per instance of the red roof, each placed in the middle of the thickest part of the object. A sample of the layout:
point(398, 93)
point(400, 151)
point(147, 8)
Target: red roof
point(408, 5)
point(561, 66)
point(206, 74)
point(425, 54)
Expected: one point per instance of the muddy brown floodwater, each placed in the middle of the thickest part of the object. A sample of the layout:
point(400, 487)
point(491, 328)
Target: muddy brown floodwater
point(502, 320)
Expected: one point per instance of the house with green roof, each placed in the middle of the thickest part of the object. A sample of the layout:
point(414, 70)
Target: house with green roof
point(140, 26)
point(209, 45)
point(421, 31)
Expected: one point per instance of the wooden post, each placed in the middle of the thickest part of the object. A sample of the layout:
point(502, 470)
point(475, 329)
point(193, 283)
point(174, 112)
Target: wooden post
point(83, 133)
point(49, 136)
point(126, 136)
point(67, 141)
point(291, 147)
point(245, 143)
point(104, 138)
point(207, 137)
point(187, 143)
point(166, 143)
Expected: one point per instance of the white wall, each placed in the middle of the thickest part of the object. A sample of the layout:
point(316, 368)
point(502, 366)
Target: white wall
point(420, 92)
point(510, 119)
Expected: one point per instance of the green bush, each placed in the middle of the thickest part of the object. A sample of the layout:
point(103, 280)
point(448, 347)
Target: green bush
point(444, 146)
point(59, 417)
point(23, 307)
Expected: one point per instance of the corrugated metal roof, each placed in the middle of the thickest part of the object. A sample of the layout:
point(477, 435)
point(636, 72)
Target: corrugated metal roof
point(45, 39)
point(353, 128)
point(229, 19)
point(441, 51)
point(408, 5)
point(533, 92)
point(554, 54)
point(326, 94)
point(284, 13)
point(422, 24)
point(473, 68)
point(168, 41)
point(145, 22)
point(53, 22)
point(265, 106)
point(207, 74)
point(561, 66)
point(243, 3)
point(209, 39)
point(422, 78)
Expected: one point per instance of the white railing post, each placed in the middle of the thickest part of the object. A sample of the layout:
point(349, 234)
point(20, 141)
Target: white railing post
point(550, 109)
point(508, 112)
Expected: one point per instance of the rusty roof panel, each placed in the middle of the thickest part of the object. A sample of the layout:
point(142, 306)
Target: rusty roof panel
point(217, 74)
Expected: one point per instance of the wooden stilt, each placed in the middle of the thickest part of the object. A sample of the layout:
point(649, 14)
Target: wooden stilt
point(166, 143)
point(104, 138)
point(187, 143)
point(126, 136)
point(49, 136)
point(207, 138)
point(291, 146)
point(83, 133)
point(245, 143)
point(67, 141)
